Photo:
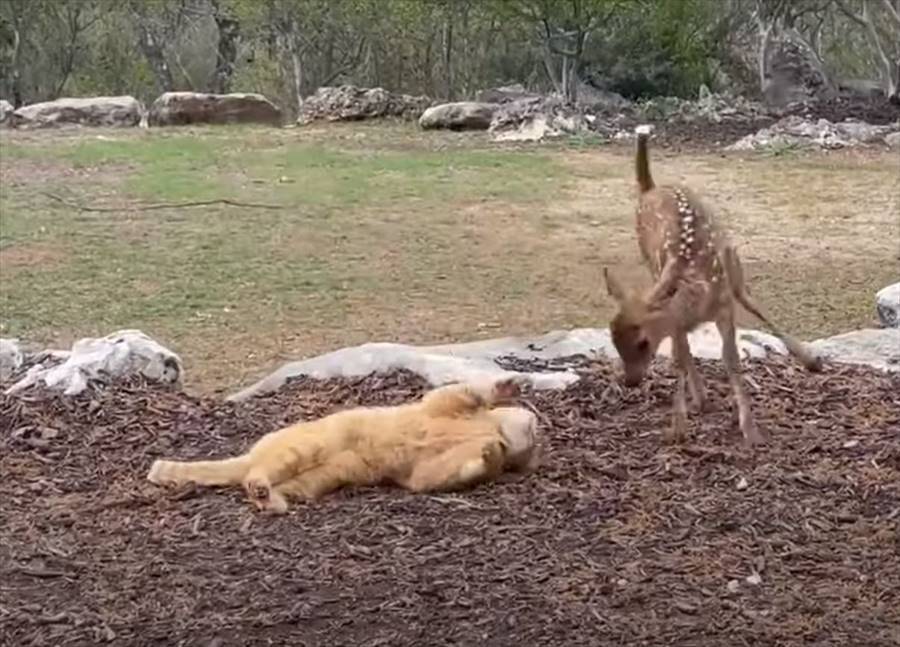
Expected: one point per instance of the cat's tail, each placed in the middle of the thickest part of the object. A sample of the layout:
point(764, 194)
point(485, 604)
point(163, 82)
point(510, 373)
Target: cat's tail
point(229, 471)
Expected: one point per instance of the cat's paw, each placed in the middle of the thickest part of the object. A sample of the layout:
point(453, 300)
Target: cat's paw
point(157, 473)
point(259, 492)
point(508, 388)
point(471, 470)
point(493, 455)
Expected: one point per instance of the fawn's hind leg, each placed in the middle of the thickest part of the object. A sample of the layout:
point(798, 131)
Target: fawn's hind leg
point(741, 292)
point(732, 360)
point(464, 465)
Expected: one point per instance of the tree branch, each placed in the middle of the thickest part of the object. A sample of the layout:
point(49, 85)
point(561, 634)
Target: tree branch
point(151, 207)
point(892, 11)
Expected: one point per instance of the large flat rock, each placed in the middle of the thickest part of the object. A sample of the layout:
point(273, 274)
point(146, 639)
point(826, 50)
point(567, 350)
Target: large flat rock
point(876, 347)
point(441, 364)
point(185, 108)
point(887, 305)
point(120, 111)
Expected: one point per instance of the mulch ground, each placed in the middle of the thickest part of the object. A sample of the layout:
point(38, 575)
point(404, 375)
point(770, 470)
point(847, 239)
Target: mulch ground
point(615, 540)
point(701, 134)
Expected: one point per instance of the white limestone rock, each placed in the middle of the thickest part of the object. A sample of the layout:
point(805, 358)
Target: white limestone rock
point(442, 364)
point(459, 115)
point(11, 358)
point(120, 354)
point(875, 347)
point(120, 111)
point(797, 131)
point(887, 304)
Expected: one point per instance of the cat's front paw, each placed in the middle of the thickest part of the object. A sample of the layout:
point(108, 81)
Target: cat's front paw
point(494, 456)
point(508, 388)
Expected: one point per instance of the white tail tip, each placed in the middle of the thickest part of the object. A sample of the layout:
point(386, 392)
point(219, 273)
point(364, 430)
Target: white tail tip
point(643, 129)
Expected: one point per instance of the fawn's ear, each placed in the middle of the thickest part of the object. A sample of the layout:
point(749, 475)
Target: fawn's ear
point(613, 287)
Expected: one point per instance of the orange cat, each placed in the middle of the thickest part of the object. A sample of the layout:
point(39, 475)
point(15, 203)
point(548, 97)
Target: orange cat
point(453, 437)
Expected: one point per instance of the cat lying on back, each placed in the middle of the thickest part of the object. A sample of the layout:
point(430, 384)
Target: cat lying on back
point(454, 437)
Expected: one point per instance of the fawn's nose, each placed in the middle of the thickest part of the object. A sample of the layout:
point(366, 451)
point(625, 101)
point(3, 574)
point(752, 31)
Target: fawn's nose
point(632, 379)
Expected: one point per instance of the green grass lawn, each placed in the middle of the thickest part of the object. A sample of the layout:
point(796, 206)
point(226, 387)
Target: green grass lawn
point(386, 233)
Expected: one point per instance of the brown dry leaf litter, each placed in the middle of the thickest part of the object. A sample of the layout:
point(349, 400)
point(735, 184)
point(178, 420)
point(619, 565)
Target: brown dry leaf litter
point(616, 540)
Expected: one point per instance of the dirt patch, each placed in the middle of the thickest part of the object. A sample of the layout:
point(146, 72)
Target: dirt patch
point(44, 174)
point(615, 540)
point(28, 255)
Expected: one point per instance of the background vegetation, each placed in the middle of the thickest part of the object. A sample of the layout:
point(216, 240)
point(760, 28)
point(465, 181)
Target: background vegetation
point(443, 48)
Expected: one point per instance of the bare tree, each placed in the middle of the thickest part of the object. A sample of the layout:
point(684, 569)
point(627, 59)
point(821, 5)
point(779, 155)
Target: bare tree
point(879, 33)
point(150, 41)
point(564, 29)
point(77, 17)
point(229, 28)
point(784, 18)
point(20, 15)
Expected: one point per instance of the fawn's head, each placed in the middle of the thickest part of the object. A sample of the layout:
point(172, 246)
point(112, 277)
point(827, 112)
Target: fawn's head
point(634, 329)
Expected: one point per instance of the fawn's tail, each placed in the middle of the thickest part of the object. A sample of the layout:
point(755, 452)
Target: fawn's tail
point(229, 471)
point(735, 274)
point(641, 162)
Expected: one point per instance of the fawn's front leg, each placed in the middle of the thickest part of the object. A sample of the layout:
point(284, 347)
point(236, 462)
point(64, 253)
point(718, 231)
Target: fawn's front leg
point(682, 359)
point(695, 384)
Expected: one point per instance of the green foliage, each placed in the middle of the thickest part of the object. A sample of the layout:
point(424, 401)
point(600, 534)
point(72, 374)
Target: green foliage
point(443, 48)
point(657, 48)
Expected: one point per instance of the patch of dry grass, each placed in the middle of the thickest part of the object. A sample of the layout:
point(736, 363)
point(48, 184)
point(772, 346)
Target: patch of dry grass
point(395, 234)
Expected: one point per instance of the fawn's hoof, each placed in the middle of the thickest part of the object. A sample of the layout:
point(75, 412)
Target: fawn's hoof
point(700, 404)
point(753, 436)
point(675, 434)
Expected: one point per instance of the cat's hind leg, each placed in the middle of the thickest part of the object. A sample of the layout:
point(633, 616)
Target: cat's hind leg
point(456, 399)
point(261, 492)
point(260, 481)
point(343, 469)
point(459, 467)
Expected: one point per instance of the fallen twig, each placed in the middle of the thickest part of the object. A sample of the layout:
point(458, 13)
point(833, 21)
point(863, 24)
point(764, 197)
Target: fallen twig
point(169, 205)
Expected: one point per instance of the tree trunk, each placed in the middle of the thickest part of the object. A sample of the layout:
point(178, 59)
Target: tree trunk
point(886, 67)
point(226, 50)
point(551, 73)
point(889, 82)
point(448, 55)
point(155, 56)
point(16, 69)
point(570, 66)
point(762, 57)
point(297, 69)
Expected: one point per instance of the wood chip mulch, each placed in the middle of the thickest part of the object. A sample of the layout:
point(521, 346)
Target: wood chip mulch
point(617, 539)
